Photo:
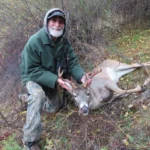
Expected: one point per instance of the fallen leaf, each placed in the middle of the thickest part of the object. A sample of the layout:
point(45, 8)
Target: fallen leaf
point(125, 142)
point(144, 107)
point(130, 106)
point(24, 112)
point(126, 114)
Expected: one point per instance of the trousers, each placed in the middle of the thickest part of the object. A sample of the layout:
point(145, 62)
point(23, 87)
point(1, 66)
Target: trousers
point(39, 99)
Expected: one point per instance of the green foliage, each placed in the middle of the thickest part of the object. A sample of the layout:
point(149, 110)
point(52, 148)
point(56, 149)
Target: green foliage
point(59, 122)
point(104, 148)
point(88, 19)
point(60, 143)
point(10, 143)
point(133, 44)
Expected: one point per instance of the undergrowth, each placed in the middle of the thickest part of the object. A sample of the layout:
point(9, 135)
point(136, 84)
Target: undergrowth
point(10, 143)
point(119, 126)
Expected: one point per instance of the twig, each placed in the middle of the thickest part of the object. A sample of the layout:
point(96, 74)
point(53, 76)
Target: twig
point(62, 4)
point(26, 3)
point(2, 116)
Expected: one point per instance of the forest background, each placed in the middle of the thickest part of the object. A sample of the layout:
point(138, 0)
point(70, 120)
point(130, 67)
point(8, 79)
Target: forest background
point(97, 29)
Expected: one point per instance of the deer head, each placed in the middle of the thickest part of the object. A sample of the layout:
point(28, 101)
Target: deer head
point(80, 93)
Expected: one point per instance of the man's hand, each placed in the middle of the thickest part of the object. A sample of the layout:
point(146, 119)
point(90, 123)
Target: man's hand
point(64, 84)
point(84, 79)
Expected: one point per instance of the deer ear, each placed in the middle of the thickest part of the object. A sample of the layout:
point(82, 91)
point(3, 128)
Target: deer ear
point(70, 88)
point(70, 91)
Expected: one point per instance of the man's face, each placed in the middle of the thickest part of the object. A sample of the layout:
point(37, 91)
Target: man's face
point(56, 26)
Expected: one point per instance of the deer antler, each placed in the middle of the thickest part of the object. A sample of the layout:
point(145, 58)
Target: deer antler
point(90, 75)
point(60, 73)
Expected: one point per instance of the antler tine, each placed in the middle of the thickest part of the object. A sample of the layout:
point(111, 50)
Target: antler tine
point(60, 73)
point(96, 64)
point(96, 71)
point(93, 73)
point(85, 84)
point(73, 84)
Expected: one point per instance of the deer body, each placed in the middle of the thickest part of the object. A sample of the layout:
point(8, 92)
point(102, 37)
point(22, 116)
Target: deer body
point(104, 84)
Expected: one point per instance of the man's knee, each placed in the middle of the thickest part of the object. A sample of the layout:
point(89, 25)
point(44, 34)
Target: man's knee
point(36, 93)
point(34, 88)
point(39, 96)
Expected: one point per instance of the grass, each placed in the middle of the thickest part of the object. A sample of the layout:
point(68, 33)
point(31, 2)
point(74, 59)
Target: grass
point(135, 129)
point(133, 125)
point(133, 45)
point(10, 143)
point(121, 125)
point(114, 127)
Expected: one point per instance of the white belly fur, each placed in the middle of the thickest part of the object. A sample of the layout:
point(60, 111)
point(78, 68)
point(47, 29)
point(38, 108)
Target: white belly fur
point(112, 74)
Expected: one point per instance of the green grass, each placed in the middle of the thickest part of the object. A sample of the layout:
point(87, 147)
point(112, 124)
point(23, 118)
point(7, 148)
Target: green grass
point(109, 127)
point(129, 127)
point(133, 127)
point(133, 45)
point(10, 143)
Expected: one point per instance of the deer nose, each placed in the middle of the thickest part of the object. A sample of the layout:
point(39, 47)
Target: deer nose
point(85, 110)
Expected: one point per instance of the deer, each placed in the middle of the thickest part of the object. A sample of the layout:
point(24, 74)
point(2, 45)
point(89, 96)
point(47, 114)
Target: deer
point(104, 84)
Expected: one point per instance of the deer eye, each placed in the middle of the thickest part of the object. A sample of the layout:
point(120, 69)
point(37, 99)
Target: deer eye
point(75, 95)
point(88, 93)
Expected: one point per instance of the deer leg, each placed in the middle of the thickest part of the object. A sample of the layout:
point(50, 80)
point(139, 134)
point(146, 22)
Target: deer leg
point(114, 87)
point(125, 69)
point(137, 89)
point(131, 67)
point(146, 64)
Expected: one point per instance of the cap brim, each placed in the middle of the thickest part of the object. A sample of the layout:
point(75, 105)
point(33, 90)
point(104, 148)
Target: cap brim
point(57, 13)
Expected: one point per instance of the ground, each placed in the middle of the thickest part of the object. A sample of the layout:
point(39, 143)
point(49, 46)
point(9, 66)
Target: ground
point(121, 125)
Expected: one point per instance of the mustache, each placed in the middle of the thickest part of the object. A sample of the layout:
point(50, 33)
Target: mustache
point(57, 28)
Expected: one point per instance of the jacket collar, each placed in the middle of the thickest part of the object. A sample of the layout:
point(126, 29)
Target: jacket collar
point(44, 37)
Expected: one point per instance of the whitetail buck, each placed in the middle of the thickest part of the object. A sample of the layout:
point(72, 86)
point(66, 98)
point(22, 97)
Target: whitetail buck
point(104, 84)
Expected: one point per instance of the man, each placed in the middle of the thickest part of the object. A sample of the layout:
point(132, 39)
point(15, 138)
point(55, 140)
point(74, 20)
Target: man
point(44, 53)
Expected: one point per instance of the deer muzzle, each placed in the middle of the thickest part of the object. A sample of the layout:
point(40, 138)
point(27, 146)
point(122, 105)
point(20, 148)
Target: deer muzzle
point(84, 110)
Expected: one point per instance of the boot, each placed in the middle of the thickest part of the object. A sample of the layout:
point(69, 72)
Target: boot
point(31, 146)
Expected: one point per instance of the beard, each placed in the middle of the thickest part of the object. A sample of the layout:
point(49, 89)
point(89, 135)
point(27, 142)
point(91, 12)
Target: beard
point(56, 32)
